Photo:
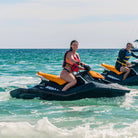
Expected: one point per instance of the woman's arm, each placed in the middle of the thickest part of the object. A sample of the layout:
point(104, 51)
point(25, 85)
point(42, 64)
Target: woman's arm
point(71, 58)
point(81, 68)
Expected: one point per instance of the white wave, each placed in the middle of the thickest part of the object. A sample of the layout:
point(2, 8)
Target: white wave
point(129, 100)
point(44, 129)
point(77, 108)
point(109, 131)
point(4, 96)
point(6, 82)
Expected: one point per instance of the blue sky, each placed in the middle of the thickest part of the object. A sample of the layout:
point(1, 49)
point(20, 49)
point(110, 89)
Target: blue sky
point(53, 24)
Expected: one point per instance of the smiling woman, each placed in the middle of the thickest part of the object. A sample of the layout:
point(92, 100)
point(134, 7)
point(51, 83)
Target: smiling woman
point(71, 63)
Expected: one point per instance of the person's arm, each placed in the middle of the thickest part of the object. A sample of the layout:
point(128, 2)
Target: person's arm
point(133, 55)
point(81, 65)
point(121, 56)
point(71, 58)
point(81, 68)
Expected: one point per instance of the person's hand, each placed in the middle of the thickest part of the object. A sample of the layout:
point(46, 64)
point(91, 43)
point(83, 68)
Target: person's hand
point(82, 64)
point(129, 64)
point(78, 63)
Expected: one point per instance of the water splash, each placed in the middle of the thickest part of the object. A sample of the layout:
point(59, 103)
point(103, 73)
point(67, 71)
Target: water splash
point(44, 128)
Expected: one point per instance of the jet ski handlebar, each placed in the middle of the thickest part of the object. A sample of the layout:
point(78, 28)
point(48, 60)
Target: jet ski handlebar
point(87, 67)
point(132, 65)
point(135, 61)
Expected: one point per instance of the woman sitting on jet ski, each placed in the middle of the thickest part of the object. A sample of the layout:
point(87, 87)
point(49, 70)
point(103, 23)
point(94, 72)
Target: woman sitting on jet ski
point(71, 64)
point(122, 63)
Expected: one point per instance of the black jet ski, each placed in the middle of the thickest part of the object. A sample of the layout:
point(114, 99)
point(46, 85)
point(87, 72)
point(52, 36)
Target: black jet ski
point(90, 84)
point(113, 75)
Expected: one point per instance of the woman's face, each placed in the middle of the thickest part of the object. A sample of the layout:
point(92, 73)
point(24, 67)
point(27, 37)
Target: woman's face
point(75, 46)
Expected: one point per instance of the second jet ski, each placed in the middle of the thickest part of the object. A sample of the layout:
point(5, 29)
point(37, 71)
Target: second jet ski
point(110, 73)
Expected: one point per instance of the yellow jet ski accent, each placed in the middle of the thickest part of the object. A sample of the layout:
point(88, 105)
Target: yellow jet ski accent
point(96, 75)
point(51, 77)
point(60, 81)
point(111, 68)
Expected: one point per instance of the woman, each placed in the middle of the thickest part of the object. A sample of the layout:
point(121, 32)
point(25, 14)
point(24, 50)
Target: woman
point(71, 63)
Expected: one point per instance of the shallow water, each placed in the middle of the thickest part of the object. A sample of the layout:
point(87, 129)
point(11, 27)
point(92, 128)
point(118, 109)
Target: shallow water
point(86, 118)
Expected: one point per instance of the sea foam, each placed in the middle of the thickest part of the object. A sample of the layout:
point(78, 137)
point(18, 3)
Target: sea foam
point(44, 128)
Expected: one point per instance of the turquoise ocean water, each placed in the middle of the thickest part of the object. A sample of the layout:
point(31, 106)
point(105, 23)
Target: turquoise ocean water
point(86, 118)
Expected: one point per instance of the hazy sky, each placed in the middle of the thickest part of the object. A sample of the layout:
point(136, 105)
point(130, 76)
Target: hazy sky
point(54, 23)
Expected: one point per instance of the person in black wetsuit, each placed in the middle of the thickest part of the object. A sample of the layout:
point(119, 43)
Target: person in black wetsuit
point(122, 63)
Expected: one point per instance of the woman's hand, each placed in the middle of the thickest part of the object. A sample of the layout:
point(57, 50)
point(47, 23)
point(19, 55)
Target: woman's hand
point(82, 64)
point(85, 66)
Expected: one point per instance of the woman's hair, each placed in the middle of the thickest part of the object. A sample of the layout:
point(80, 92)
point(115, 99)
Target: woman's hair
point(72, 43)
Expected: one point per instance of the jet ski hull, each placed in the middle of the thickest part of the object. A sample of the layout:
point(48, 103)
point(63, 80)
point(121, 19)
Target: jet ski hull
point(89, 90)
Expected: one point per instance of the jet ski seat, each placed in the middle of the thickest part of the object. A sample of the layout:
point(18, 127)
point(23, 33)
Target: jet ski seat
point(111, 68)
point(51, 77)
point(58, 80)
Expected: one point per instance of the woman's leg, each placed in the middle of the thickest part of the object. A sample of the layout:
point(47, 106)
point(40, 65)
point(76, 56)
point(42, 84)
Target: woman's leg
point(125, 69)
point(68, 77)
